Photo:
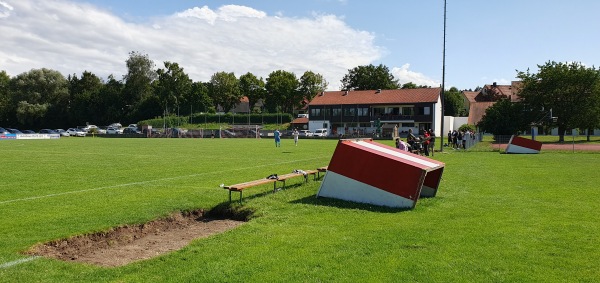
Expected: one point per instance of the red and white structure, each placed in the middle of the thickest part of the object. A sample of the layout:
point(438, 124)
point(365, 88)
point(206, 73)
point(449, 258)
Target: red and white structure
point(523, 145)
point(368, 172)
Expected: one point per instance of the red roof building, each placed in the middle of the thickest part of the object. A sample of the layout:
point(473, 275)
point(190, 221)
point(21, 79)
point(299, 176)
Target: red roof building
point(478, 101)
point(357, 112)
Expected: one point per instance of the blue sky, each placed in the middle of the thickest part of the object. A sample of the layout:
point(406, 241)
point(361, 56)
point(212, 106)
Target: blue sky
point(486, 41)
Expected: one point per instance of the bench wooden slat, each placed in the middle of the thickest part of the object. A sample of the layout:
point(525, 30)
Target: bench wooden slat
point(281, 178)
point(241, 186)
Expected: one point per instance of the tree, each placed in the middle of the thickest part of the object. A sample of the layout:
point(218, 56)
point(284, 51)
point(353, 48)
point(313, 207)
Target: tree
point(283, 91)
point(253, 88)
point(199, 97)
point(369, 78)
point(453, 103)
point(505, 118)
point(4, 98)
point(225, 90)
point(82, 93)
point(409, 85)
point(138, 81)
point(590, 120)
point(310, 85)
point(570, 90)
point(173, 87)
point(39, 98)
point(110, 101)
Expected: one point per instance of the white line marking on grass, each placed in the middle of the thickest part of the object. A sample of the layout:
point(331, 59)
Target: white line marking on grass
point(17, 262)
point(151, 181)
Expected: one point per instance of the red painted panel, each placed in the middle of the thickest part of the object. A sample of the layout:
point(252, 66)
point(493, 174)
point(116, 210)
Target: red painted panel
point(535, 145)
point(393, 175)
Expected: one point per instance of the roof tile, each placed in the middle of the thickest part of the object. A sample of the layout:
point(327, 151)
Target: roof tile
point(385, 96)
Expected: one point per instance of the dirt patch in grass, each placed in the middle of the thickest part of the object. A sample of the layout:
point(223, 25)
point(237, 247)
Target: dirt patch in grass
point(122, 245)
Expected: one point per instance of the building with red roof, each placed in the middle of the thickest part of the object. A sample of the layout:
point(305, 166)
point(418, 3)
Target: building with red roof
point(357, 112)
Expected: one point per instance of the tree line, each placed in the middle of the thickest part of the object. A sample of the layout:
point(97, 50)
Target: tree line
point(44, 98)
point(560, 95)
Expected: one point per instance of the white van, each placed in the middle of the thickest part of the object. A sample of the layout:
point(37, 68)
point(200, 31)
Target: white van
point(321, 133)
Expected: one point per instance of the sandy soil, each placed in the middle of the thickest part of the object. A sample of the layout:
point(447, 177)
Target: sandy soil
point(123, 245)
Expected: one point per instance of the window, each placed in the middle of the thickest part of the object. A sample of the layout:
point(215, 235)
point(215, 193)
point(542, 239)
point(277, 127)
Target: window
point(408, 125)
point(363, 111)
point(327, 112)
point(427, 110)
point(337, 112)
point(409, 111)
point(315, 112)
point(349, 111)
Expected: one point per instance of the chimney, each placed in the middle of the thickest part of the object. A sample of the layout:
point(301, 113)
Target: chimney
point(378, 90)
point(322, 93)
point(345, 93)
point(494, 84)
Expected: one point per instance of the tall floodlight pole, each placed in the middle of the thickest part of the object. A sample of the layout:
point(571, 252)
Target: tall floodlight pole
point(443, 81)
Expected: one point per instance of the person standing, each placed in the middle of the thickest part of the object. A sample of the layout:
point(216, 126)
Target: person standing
point(431, 141)
point(426, 140)
point(277, 135)
point(295, 134)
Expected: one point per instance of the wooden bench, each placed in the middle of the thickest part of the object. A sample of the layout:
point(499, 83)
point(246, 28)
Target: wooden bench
point(321, 169)
point(313, 173)
point(281, 178)
point(241, 186)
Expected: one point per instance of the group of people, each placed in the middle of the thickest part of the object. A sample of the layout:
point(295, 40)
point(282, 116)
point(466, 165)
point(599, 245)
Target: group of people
point(277, 135)
point(459, 139)
point(422, 144)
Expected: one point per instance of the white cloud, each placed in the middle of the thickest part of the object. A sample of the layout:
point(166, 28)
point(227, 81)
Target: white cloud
point(71, 38)
point(5, 9)
point(404, 75)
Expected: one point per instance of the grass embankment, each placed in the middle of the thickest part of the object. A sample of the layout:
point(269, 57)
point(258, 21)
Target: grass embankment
point(496, 217)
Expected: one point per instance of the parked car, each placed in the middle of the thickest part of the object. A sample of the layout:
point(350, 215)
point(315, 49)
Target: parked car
point(13, 131)
point(101, 131)
point(129, 130)
point(114, 131)
point(48, 131)
point(133, 126)
point(28, 132)
point(90, 128)
point(116, 125)
point(76, 132)
point(321, 133)
point(62, 133)
point(4, 131)
point(306, 133)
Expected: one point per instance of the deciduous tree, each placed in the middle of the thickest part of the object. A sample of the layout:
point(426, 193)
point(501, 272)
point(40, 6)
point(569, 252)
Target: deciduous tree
point(283, 88)
point(369, 77)
point(569, 89)
point(39, 98)
point(310, 85)
point(253, 88)
point(225, 90)
point(505, 118)
point(453, 103)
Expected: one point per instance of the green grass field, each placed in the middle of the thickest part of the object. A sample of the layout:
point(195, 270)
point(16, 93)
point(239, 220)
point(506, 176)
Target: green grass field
point(496, 217)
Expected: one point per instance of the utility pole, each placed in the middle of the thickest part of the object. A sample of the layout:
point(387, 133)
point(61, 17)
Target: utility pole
point(443, 81)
